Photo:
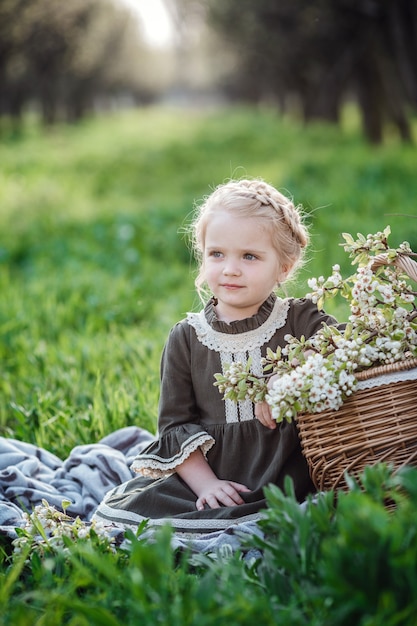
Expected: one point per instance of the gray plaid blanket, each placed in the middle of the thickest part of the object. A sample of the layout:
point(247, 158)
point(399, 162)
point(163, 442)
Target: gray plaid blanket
point(29, 474)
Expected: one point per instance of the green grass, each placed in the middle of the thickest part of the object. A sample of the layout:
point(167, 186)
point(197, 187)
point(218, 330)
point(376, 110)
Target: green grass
point(93, 272)
point(94, 269)
point(341, 563)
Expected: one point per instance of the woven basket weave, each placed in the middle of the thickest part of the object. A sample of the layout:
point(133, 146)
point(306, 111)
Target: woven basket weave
point(377, 424)
point(373, 425)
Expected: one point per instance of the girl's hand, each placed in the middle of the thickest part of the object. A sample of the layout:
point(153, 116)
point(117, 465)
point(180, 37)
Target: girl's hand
point(217, 493)
point(210, 490)
point(264, 415)
point(263, 410)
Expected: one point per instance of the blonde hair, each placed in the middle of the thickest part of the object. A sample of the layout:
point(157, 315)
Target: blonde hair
point(253, 198)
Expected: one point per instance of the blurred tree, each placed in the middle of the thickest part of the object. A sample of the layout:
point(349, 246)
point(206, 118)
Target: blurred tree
point(193, 49)
point(12, 64)
point(320, 53)
point(50, 34)
point(63, 56)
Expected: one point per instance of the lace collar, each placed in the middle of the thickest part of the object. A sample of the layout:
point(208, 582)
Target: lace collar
point(242, 335)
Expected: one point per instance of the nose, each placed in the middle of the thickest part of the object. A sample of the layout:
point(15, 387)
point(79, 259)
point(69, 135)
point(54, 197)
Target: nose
point(231, 269)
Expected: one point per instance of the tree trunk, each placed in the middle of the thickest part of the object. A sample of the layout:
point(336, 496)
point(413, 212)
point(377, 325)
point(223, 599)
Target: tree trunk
point(370, 100)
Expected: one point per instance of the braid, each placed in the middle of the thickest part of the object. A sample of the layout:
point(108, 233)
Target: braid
point(267, 195)
point(292, 219)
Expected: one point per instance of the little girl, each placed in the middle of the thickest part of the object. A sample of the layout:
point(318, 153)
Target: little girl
point(213, 457)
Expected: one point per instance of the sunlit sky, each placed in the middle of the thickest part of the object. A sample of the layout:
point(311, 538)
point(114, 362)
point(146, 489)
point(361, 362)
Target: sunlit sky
point(157, 26)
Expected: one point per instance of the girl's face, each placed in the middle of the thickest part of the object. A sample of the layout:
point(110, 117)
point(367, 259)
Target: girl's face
point(240, 264)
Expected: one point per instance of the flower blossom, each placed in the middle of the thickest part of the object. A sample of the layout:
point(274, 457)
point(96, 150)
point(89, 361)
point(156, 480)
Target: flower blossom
point(317, 374)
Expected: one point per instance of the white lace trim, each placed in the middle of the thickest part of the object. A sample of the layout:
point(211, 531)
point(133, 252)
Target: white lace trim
point(386, 379)
point(240, 347)
point(122, 518)
point(243, 410)
point(242, 342)
point(153, 466)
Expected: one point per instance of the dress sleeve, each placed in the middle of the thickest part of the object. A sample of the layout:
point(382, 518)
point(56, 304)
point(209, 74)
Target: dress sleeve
point(180, 433)
point(306, 319)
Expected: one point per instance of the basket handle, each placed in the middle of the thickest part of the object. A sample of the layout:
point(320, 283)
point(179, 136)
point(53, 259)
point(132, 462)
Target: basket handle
point(402, 261)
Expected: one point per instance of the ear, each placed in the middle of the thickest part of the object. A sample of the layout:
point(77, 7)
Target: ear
point(284, 271)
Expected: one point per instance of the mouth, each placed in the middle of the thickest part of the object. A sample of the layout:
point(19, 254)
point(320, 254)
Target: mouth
point(232, 286)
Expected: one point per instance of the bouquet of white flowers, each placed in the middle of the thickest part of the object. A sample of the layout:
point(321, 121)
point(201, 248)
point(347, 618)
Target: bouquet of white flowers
point(317, 374)
point(344, 424)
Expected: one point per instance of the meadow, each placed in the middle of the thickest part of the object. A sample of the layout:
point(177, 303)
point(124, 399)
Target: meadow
point(95, 268)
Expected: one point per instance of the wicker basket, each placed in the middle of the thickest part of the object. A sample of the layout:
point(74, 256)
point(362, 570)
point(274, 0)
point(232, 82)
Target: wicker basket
point(375, 424)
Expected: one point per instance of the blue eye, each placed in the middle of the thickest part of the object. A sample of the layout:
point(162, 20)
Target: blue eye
point(250, 257)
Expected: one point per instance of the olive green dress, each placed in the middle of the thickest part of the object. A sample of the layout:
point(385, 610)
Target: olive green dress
point(193, 414)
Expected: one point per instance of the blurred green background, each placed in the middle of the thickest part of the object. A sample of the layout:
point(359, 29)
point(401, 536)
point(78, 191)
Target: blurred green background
point(94, 264)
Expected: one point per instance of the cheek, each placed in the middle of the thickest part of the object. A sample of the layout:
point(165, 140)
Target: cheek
point(207, 270)
point(210, 272)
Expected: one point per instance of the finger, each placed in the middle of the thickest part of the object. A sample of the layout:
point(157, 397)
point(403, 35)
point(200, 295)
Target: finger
point(234, 490)
point(228, 500)
point(229, 496)
point(199, 505)
point(210, 501)
point(263, 414)
point(240, 487)
point(213, 502)
point(267, 415)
